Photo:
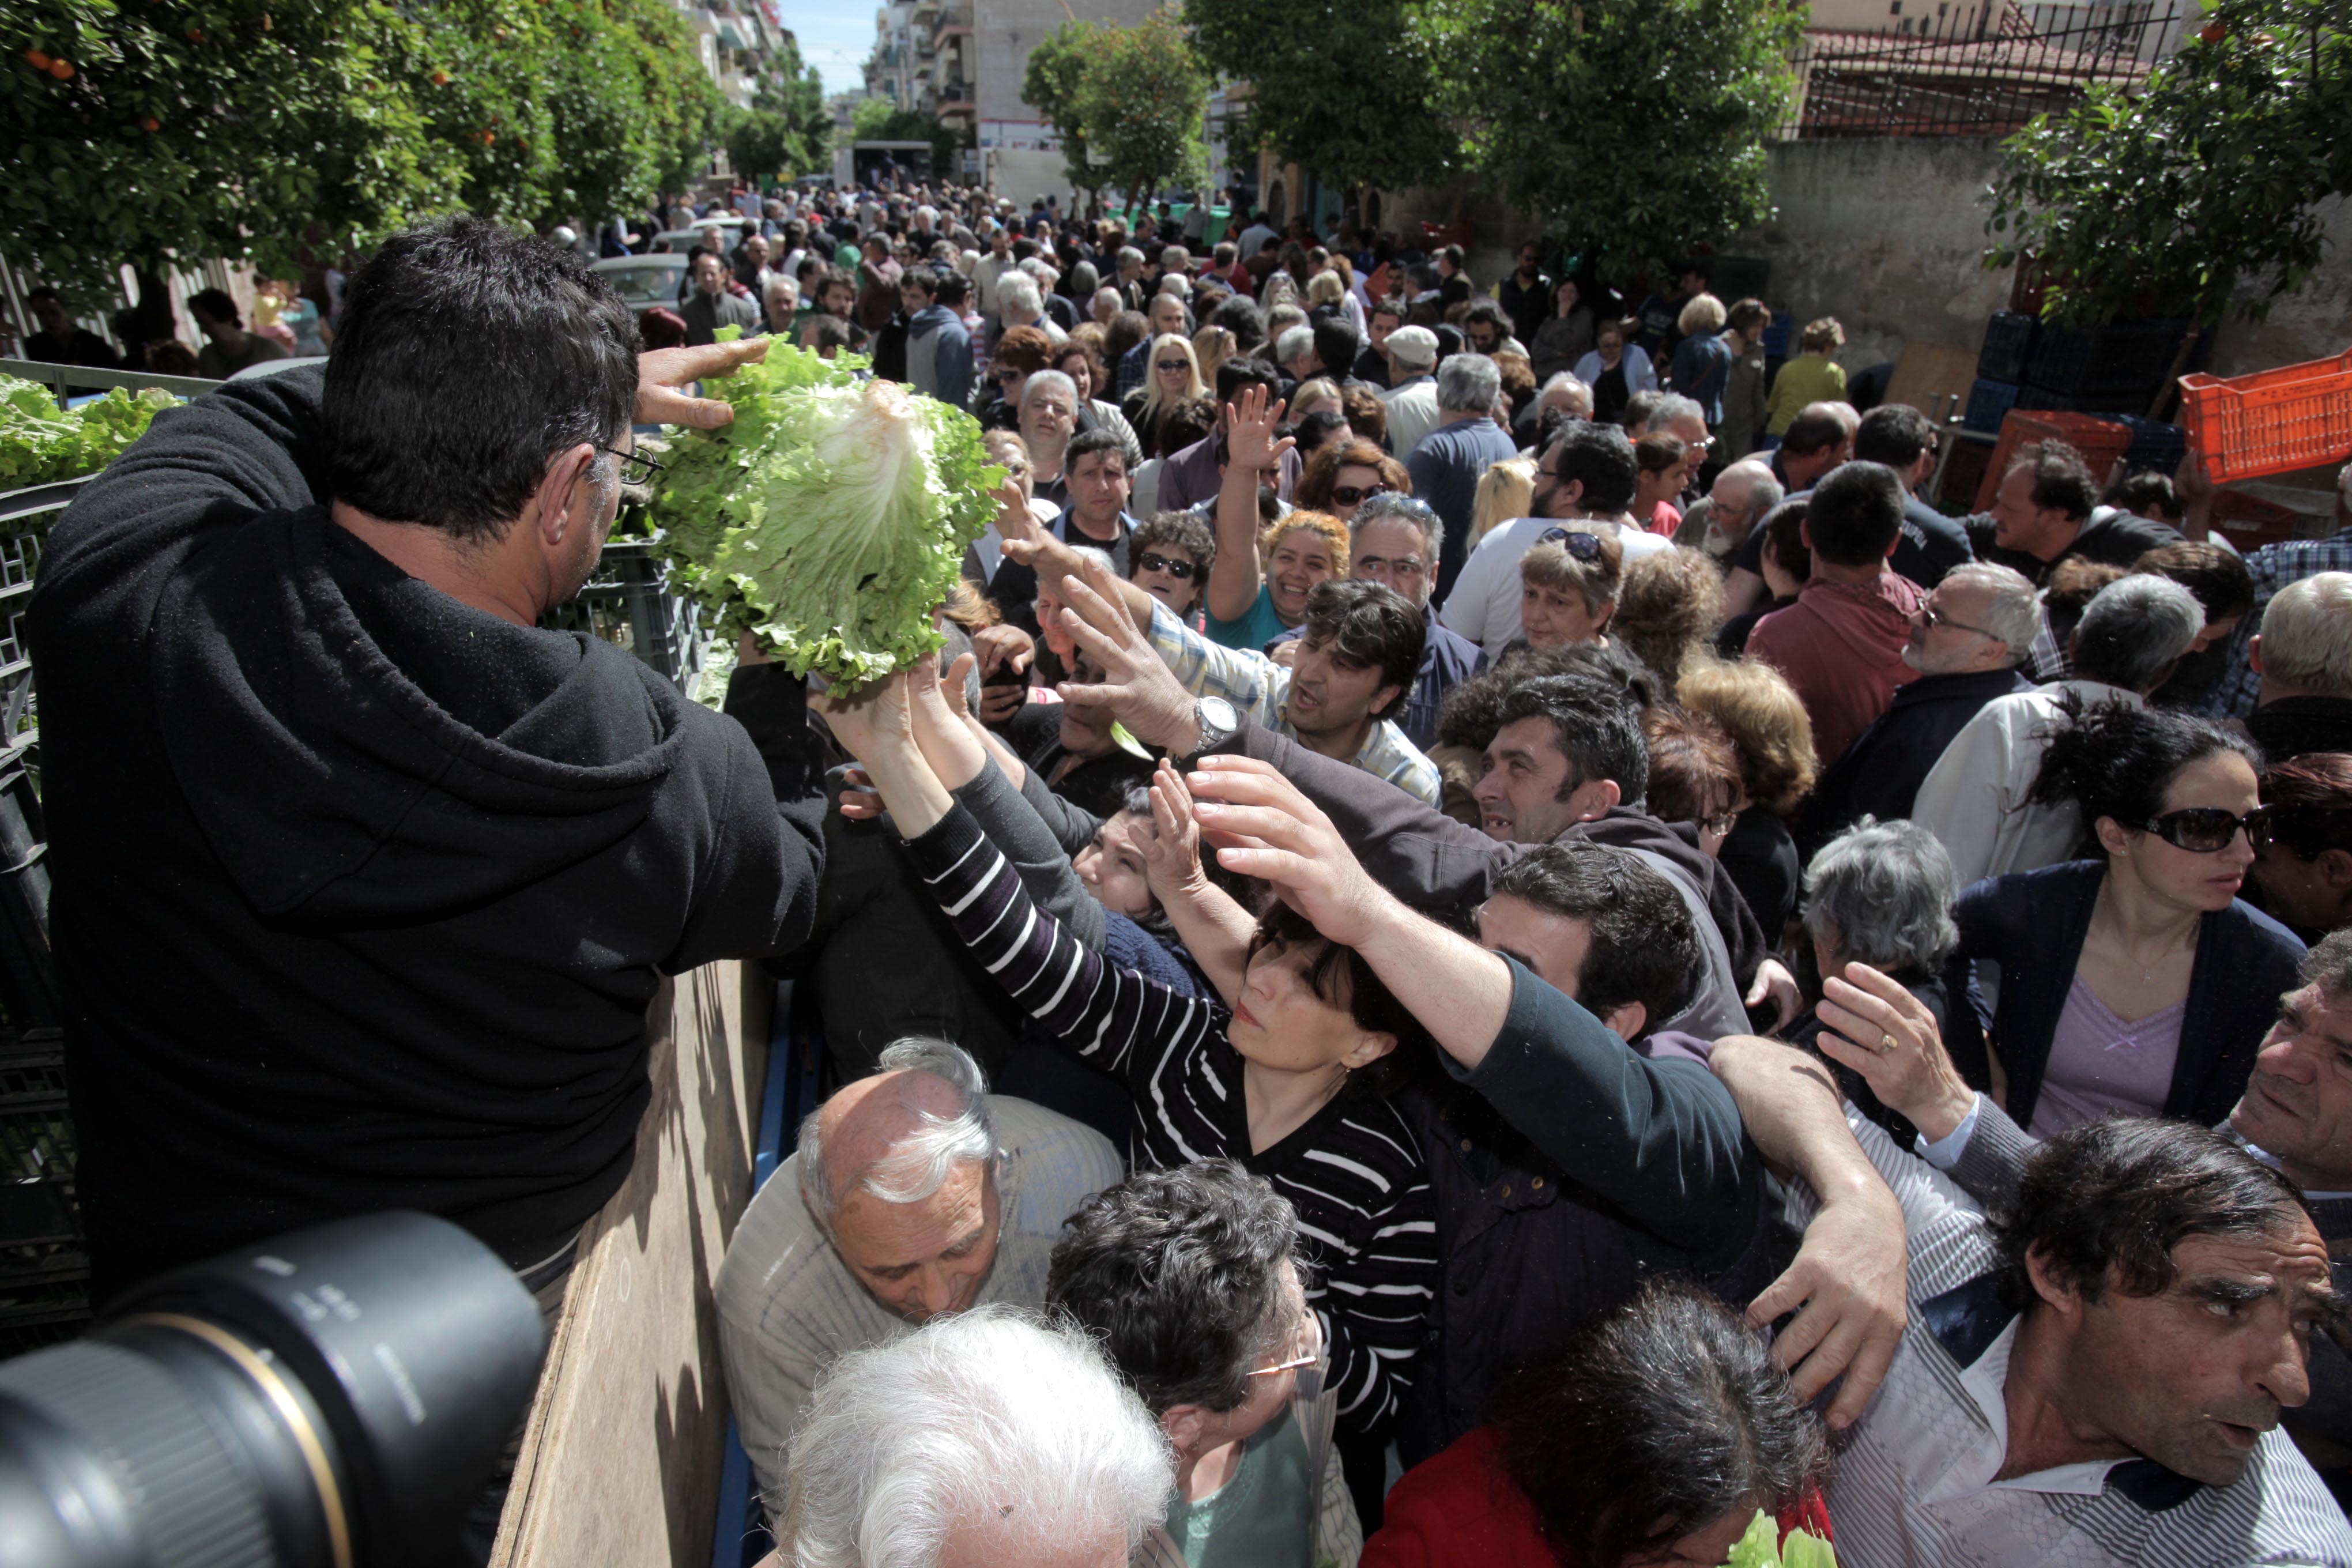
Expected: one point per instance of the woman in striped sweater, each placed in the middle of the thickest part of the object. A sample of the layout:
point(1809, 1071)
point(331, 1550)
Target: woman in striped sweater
point(1289, 1077)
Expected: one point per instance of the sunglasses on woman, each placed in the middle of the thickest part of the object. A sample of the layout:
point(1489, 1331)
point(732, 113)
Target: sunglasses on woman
point(1350, 495)
point(2209, 830)
point(1583, 546)
point(1174, 366)
point(1181, 569)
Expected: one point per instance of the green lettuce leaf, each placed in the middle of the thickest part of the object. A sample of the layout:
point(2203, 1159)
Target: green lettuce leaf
point(830, 518)
point(41, 445)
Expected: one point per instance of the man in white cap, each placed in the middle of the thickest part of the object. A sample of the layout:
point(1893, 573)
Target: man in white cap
point(1411, 396)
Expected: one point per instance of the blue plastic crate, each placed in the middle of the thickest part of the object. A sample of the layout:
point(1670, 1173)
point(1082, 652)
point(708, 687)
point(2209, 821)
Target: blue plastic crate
point(2125, 360)
point(2103, 404)
point(1988, 400)
point(2008, 343)
point(2154, 445)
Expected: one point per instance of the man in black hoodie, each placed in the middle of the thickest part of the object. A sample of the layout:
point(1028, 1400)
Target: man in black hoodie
point(362, 883)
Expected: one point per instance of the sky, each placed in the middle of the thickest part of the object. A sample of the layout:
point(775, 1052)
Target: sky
point(835, 39)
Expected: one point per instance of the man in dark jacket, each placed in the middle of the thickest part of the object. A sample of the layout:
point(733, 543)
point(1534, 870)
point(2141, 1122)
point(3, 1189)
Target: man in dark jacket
point(938, 346)
point(362, 882)
point(1967, 638)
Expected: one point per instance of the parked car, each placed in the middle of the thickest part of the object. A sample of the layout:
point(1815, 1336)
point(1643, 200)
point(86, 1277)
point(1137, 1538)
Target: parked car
point(644, 282)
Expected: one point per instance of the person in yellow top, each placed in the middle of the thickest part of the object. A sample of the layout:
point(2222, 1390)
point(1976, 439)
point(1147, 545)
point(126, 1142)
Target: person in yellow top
point(1811, 377)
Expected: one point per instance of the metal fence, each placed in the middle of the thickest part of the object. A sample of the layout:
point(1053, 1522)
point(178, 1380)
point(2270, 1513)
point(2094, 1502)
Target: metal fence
point(1971, 69)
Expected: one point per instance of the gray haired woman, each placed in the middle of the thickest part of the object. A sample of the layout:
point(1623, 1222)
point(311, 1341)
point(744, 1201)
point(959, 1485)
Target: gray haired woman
point(1880, 893)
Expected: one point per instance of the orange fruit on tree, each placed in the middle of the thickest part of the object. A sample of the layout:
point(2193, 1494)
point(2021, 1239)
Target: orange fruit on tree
point(39, 61)
point(61, 70)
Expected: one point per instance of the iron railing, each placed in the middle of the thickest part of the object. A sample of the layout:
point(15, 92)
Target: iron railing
point(1980, 68)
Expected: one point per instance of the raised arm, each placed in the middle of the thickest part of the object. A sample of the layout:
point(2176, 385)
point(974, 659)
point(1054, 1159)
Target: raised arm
point(1251, 449)
point(1850, 1277)
point(1217, 932)
point(1660, 1138)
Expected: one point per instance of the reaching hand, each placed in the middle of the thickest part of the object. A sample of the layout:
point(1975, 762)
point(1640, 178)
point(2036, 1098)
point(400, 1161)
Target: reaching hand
point(872, 720)
point(1286, 654)
point(1888, 1035)
point(1013, 518)
point(1171, 856)
point(954, 686)
point(859, 801)
point(1250, 424)
point(1773, 980)
point(663, 374)
point(1850, 1278)
point(1137, 689)
point(1265, 827)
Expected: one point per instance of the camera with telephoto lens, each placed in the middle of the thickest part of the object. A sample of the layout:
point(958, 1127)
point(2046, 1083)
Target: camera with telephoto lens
point(337, 1397)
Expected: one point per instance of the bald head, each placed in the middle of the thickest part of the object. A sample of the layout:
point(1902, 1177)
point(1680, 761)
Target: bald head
point(869, 1128)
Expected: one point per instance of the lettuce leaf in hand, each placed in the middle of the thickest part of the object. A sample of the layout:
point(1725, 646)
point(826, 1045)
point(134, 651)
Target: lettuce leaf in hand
point(830, 518)
point(40, 444)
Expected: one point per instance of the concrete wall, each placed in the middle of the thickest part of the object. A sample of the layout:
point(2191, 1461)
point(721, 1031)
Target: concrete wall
point(1020, 156)
point(1888, 236)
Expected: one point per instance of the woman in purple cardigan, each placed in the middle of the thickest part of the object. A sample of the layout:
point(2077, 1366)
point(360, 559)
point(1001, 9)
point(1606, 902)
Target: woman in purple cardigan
point(2134, 981)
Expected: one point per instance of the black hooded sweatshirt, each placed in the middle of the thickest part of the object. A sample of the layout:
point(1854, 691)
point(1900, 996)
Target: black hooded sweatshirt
point(360, 894)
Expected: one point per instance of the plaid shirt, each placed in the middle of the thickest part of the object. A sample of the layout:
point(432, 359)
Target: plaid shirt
point(2273, 567)
point(1260, 688)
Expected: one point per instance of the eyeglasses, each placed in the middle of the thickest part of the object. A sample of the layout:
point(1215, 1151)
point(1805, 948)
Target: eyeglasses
point(1303, 1355)
point(1403, 566)
point(2209, 830)
point(1583, 546)
point(1720, 824)
point(1007, 377)
point(1932, 616)
point(1181, 570)
point(1174, 366)
point(1349, 495)
point(636, 469)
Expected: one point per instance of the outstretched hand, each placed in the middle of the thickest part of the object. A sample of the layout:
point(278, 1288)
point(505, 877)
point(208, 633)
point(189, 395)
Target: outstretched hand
point(1138, 688)
point(1889, 1036)
point(663, 375)
point(1251, 420)
point(1850, 1278)
point(1263, 827)
point(1171, 856)
point(871, 719)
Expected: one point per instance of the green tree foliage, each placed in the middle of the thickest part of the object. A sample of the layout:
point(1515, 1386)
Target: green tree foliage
point(280, 132)
point(1343, 87)
point(1635, 130)
point(1128, 103)
point(875, 120)
point(1051, 85)
point(1143, 99)
point(2166, 199)
point(787, 131)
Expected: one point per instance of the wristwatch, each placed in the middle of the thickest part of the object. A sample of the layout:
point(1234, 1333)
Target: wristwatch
point(1218, 721)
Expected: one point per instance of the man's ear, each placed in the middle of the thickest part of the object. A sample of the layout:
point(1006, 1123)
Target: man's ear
point(2059, 1298)
point(2254, 652)
point(2333, 870)
point(1626, 1020)
point(1598, 797)
point(562, 501)
point(1385, 702)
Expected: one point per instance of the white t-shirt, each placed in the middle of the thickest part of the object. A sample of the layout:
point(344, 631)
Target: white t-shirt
point(1485, 604)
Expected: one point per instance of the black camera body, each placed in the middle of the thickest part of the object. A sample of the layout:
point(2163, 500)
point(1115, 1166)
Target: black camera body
point(337, 1397)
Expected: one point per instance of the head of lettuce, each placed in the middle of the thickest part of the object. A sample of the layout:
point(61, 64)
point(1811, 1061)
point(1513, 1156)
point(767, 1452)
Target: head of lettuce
point(363, 882)
point(829, 518)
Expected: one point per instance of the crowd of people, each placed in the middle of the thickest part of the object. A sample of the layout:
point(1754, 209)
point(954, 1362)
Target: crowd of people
point(1445, 967)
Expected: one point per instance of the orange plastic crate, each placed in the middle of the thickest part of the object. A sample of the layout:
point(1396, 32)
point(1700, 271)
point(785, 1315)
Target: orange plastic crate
point(2102, 442)
point(2271, 422)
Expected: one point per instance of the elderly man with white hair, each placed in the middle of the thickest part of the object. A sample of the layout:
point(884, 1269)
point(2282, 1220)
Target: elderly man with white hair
point(1977, 799)
point(780, 301)
point(2272, 567)
point(2303, 656)
point(983, 1441)
point(1447, 463)
point(1021, 303)
point(1740, 498)
point(914, 1194)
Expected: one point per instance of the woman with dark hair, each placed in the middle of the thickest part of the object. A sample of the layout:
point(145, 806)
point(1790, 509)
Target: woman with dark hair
point(2135, 981)
point(1291, 1076)
point(1343, 475)
point(1655, 1437)
point(1694, 775)
point(2305, 872)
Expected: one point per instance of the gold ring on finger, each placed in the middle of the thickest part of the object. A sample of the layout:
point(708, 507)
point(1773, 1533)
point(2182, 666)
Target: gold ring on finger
point(1886, 1044)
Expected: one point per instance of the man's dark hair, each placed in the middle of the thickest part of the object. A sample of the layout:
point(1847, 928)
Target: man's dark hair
point(1178, 1274)
point(1238, 371)
point(2135, 493)
point(1024, 248)
point(216, 304)
point(923, 277)
point(467, 356)
point(1369, 626)
point(953, 291)
point(1336, 344)
point(1486, 310)
point(1595, 724)
point(1895, 433)
point(1086, 443)
point(1808, 433)
point(832, 332)
point(1392, 306)
point(1638, 409)
point(1643, 948)
point(1600, 457)
point(2216, 574)
point(1240, 316)
point(2061, 479)
point(1658, 1418)
point(2102, 1204)
point(1856, 514)
point(1176, 530)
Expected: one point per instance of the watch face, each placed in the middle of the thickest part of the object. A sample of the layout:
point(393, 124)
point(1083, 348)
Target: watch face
point(1220, 712)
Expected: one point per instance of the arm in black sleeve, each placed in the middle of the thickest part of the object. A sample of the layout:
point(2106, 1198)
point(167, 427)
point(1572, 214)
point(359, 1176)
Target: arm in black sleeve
point(757, 894)
point(1005, 815)
point(1072, 826)
point(1417, 852)
point(1660, 1138)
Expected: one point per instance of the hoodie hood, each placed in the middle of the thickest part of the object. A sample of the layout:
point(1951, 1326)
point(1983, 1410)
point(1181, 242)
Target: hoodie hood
point(358, 748)
point(929, 320)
